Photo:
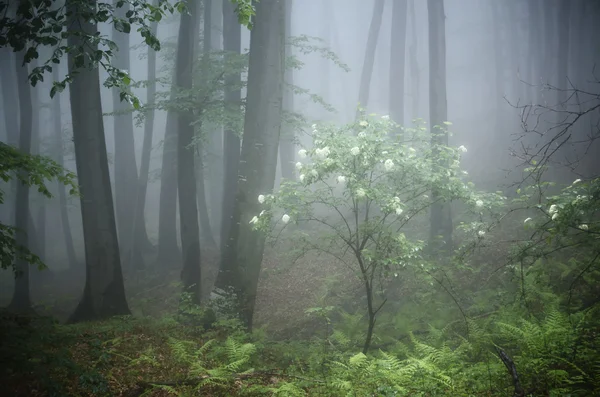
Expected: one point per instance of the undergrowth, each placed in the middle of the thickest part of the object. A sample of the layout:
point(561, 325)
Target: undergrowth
point(555, 354)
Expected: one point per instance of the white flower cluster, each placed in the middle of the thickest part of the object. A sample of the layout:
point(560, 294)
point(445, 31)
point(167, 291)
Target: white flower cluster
point(553, 211)
point(261, 199)
point(322, 153)
point(389, 165)
point(397, 205)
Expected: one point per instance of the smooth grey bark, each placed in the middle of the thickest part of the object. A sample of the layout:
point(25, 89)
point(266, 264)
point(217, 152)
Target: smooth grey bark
point(258, 161)
point(562, 67)
point(414, 64)
point(21, 299)
point(104, 292)
point(124, 161)
point(287, 150)
point(534, 46)
point(139, 222)
point(214, 145)
point(201, 177)
point(11, 117)
point(169, 254)
point(398, 61)
point(188, 211)
point(441, 217)
point(369, 59)
point(231, 148)
point(59, 157)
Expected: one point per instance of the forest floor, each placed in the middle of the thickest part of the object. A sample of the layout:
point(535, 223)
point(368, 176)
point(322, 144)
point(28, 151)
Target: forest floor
point(112, 356)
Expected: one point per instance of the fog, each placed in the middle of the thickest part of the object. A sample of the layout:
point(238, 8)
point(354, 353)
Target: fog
point(521, 85)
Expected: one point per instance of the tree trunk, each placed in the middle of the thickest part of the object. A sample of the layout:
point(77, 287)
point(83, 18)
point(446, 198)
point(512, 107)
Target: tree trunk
point(258, 161)
point(562, 67)
point(201, 176)
point(231, 149)
point(287, 150)
point(441, 218)
point(62, 196)
point(169, 253)
point(214, 146)
point(397, 61)
point(11, 117)
point(125, 165)
point(188, 211)
point(21, 299)
point(414, 64)
point(369, 60)
point(138, 230)
point(104, 292)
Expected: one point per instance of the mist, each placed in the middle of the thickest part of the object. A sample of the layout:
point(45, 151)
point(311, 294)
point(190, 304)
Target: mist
point(372, 197)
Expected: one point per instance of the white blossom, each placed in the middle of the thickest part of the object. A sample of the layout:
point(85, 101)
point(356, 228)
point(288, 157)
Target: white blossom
point(479, 203)
point(360, 192)
point(302, 176)
point(465, 172)
point(314, 173)
point(576, 181)
point(362, 134)
point(298, 166)
point(555, 216)
point(285, 218)
point(396, 199)
point(341, 179)
point(302, 153)
point(553, 209)
point(384, 152)
point(527, 220)
point(399, 211)
point(447, 123)
point(322, 153)
point(462, 148)
point(389, 164)
point(253, 220)
point(583, 226)
point(261, 198)
point(355, 151)
point(481, 233)
point(395, 274)
point(412, 149)
point(261, 213)
point(425, 196)
point(386, 117)
point(314, 126)
point(363, 123)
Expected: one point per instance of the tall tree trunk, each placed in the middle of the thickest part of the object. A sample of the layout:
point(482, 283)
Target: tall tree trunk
point(231, 149)
point(369, 60)
point(169, 253)
point(258, 161)
point(214, 146)
point(11, 117)
point(62, 196)
point(201, 176)
point(287, 150)
point(21, 300)
point(104, 292)
point(142, 182)
point(414, 64)
point(188, 211)
point(125, 165)
point(397, 61)
point(562, 67)
point(534, 45)
point(441, 218)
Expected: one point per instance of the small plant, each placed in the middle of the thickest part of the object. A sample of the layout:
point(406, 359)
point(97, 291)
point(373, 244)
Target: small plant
point(365, 186)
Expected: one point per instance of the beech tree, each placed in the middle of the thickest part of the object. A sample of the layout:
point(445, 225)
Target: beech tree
point(258, 161)
point(104, 292)
point(441, 218)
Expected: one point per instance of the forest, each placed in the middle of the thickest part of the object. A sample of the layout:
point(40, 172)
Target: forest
point(300, 198)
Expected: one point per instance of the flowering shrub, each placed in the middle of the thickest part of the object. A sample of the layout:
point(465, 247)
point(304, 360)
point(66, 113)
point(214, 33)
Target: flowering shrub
point(364, 185)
